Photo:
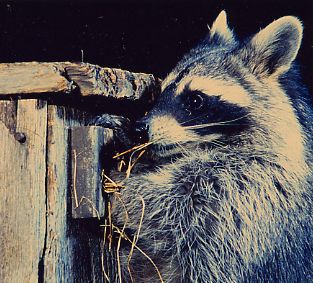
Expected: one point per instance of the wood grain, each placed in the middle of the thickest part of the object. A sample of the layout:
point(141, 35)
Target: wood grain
point(31, 78)
point(57, 253)
point(22, 194)
point(8, 111)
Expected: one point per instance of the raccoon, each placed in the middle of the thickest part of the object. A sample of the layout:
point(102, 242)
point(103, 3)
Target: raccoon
point(230, 197)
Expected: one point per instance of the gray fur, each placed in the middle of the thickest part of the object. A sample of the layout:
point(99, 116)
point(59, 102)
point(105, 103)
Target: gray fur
point(239, 211)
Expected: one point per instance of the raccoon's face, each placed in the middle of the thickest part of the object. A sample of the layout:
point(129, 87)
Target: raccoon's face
point(195, 111)
point(220, 91)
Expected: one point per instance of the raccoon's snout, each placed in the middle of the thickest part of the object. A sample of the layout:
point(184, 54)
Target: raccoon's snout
point(141, 132)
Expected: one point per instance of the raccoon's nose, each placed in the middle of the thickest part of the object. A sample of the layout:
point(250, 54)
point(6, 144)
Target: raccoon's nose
point(141, 132)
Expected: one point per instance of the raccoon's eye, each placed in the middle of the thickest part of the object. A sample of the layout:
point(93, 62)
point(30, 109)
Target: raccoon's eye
point(195, 101)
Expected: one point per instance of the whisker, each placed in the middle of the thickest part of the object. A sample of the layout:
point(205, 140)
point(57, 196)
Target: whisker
point(223, 123)
point(195, 127)
point(194, 118)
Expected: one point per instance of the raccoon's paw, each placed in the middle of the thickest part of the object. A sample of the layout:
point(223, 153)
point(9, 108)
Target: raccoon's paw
point(119, 124)
point(110, 121)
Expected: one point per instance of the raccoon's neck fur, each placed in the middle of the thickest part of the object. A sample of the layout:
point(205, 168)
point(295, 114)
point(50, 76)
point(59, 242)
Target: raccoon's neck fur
point(245, 196)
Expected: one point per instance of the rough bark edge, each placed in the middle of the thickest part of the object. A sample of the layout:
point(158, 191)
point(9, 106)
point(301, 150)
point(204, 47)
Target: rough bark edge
point(37, 79)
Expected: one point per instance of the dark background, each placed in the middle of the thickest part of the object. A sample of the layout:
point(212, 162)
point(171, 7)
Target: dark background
point(140, 36)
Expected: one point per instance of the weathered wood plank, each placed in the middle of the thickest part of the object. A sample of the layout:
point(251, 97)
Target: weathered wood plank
point(22, 194)
point(73, 246)
point(57, 254)
point(30, 78)
point(86, 151)
point(65, 78)
point(115, 83)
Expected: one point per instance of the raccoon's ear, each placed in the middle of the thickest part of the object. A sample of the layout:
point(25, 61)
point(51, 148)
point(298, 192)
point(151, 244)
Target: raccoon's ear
point(220, 30)
point(273, 49)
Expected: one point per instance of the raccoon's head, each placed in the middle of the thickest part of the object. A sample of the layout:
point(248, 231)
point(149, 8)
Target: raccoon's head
point(223, 89)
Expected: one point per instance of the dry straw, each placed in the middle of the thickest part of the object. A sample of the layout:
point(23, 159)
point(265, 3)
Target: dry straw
point(112, 187)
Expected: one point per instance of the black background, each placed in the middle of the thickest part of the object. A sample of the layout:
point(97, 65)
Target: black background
point(140, 36)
